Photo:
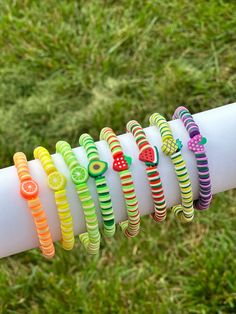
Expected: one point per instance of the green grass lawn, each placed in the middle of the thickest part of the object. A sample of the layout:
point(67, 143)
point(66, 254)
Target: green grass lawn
point(72, 66)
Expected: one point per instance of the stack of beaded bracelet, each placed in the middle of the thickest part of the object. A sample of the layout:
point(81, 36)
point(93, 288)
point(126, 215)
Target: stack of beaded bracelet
point(150, 156)
point(79, 176)
point(172, 148)
point(196, 144)
point(29, 190)
point(96, 170)
point(121, 165)
point(57, 182)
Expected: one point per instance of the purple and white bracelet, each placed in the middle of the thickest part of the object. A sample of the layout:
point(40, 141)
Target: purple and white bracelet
point(196, 144)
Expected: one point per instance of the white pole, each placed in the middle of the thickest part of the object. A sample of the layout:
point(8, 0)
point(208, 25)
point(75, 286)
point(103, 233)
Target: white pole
point(17, 232)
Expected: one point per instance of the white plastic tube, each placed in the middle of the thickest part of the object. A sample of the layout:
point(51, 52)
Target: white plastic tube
point(17, 231)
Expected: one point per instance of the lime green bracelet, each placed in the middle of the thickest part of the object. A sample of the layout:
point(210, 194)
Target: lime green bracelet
point(79, 176)
point(172, 148)
point(96, 170)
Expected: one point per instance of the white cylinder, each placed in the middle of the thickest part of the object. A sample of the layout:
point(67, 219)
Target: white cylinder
point(17, 230)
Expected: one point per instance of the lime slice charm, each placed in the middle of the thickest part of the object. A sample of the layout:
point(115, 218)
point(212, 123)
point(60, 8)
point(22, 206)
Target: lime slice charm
point(79, 175)
point(56, 181)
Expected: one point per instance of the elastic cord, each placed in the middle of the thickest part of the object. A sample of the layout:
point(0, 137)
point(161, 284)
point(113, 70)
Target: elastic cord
point(121, 165)
point(96, 170)
point(29, 190)
point(172, 148)
point(149, 155)
point(79, 176)
point(57, 182)
point(196, 144)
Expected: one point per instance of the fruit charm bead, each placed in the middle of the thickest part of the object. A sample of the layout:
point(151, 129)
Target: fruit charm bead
point(79, 175)
point(121, 162)
point(150, 155)
point(196, 144)
point(170, 147)
point(97, 168)
point(56, 181)
point(29, 189)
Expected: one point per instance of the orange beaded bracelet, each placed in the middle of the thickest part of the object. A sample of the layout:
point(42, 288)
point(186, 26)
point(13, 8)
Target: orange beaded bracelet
point(29, 190)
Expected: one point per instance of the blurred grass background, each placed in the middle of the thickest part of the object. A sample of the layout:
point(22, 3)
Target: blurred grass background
point(67, 67)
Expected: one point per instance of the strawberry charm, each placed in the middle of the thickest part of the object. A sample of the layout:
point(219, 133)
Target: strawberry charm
point(121, 162)
point(150, 156)
point(196, 144)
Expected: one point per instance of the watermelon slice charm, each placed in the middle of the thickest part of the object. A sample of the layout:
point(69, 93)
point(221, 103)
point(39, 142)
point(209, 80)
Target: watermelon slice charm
point(150, 156)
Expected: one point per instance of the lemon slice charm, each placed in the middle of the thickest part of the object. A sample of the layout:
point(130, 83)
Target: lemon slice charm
point(56, 181)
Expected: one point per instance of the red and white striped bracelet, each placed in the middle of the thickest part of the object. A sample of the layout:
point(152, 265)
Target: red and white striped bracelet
point(150, 156)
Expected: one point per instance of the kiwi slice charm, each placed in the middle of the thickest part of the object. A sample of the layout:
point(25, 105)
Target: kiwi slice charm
point(97, 168)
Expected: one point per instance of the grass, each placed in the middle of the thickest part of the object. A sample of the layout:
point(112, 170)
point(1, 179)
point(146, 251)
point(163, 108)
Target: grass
point(102, 63)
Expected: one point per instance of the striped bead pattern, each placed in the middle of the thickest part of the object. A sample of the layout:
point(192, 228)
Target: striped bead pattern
point(40, 220)
point(63, 207)
point(205, 194)
point(91, 238)
point(185, 211)
point(102, 188)
point(110, 137)
point(87, 142)
point(152, 172)
point(130, 227)
point(140, 137)
point(184, 114)
point(158, 120)
point(21, 165)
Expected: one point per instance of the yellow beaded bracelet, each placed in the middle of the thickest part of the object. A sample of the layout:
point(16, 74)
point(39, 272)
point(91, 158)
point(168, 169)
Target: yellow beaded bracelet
point(172, 148)
point(57, 182)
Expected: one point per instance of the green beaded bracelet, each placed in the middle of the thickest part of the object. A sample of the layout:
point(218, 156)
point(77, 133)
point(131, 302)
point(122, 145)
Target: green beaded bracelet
point(96, 170)
point(79, 176)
